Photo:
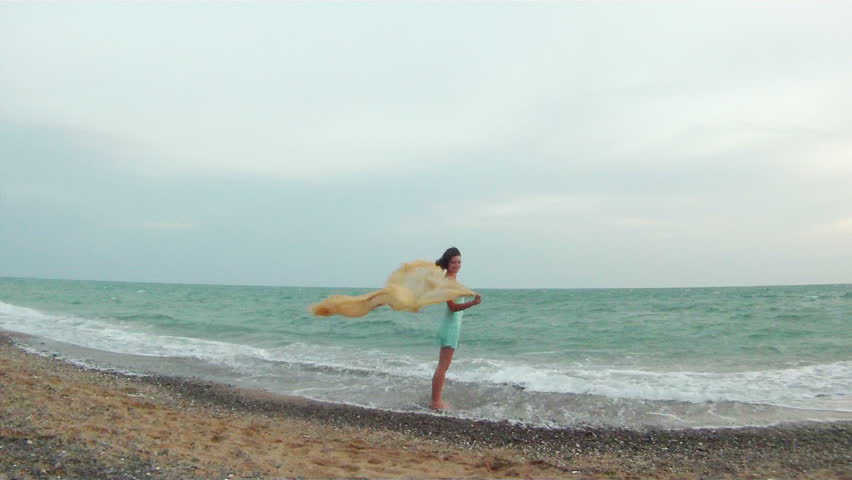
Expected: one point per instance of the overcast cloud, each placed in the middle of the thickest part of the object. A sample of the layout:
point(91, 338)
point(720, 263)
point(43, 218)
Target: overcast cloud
point(557, 144)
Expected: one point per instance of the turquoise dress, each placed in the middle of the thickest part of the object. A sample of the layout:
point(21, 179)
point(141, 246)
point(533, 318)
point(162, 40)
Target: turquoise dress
point(450, 328)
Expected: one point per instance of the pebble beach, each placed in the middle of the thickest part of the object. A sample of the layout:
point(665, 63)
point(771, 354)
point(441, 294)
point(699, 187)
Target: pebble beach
point(61, 420)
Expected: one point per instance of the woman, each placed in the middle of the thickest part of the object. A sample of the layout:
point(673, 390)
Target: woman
point(448, 333)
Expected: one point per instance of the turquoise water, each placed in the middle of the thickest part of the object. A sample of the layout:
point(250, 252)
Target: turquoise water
point(665, 357)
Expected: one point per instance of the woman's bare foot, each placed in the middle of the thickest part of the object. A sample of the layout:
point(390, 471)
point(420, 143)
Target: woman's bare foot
point(441, 406)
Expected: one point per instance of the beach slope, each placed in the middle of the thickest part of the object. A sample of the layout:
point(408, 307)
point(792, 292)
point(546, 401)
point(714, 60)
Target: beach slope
point(58, 419)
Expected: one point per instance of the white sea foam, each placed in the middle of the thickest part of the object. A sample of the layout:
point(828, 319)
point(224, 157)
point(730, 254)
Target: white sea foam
point(112, 337)
point(821, 386)
point(813, 386)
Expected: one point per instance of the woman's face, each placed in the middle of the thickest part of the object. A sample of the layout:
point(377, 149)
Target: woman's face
point(455, 265)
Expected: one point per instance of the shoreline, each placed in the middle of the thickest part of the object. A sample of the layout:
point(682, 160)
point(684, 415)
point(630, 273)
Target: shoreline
point(216, 428)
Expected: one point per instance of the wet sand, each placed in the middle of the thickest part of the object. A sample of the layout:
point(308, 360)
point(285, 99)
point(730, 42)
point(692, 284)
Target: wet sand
point(61, 420)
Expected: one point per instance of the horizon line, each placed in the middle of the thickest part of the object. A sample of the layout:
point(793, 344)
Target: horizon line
point(260, 285)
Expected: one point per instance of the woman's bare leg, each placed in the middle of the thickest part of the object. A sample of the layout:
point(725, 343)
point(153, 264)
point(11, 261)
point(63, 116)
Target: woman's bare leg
point(444, 360)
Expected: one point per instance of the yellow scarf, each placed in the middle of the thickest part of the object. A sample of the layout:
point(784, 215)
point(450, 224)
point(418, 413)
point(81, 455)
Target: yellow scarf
point(413, 286)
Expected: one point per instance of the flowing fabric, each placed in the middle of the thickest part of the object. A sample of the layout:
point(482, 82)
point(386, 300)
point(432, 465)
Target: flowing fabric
point(413, 286)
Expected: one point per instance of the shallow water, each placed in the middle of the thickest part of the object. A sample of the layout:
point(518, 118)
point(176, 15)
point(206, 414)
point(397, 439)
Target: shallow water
point(663, 357)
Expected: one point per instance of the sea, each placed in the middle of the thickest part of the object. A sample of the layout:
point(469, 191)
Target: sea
point(635, 358)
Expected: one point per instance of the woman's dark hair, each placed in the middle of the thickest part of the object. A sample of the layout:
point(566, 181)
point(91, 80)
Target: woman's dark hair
point(444, 261)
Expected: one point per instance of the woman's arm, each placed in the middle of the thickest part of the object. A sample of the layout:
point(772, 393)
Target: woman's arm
point(458, 307)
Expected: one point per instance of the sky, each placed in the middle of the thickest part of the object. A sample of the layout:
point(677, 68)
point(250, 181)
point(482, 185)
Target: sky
point(556, 144)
